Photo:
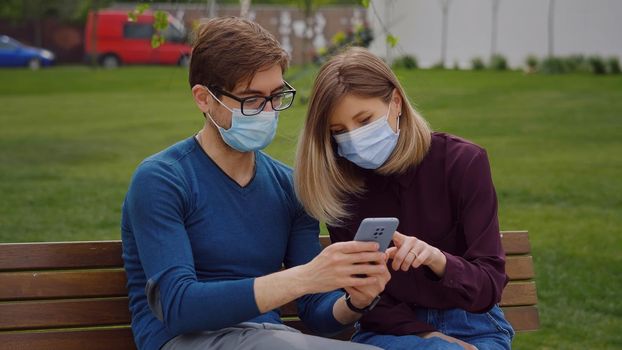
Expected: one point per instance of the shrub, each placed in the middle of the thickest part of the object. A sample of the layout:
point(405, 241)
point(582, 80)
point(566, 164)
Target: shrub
point(477, 64)
point(613, 65)
point(438, 65)
point(532, 63)
point(597, 65)
point(552, 65)
point(406, 61)
point(498, 62)
point(575, 63)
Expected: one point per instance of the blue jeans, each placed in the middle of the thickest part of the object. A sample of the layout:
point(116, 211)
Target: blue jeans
point(486, 331)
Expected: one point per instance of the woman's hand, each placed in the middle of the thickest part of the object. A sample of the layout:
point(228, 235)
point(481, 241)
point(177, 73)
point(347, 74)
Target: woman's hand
point(412, 252)
point(346, 264)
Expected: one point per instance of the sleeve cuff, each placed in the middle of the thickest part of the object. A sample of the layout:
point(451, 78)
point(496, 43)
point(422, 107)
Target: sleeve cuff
point(331, 324)
point(318, 313)
point(454, 268)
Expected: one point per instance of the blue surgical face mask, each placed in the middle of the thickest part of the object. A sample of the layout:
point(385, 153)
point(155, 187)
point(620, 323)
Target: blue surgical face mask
point(368, 146)
point(248, 133)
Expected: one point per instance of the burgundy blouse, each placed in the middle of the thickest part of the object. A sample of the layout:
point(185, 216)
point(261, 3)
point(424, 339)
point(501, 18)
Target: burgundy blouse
point(448, 201)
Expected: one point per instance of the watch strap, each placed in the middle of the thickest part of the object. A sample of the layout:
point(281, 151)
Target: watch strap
point(364, 310)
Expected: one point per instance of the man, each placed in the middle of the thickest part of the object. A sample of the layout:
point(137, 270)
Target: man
point(209, 222)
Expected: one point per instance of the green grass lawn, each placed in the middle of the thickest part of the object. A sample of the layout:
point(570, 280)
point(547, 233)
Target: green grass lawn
point(70, 138)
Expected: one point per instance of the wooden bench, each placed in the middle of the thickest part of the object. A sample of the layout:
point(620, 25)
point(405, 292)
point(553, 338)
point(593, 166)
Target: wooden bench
point(72, 295)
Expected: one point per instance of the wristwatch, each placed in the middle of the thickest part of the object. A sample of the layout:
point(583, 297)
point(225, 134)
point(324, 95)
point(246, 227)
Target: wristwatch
point(364, 310)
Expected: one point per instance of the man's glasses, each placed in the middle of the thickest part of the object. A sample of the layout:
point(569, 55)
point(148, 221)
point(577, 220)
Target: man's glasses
point(253, 105)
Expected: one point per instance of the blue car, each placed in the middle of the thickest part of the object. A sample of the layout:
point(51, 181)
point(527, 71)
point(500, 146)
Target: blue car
point(15, 54)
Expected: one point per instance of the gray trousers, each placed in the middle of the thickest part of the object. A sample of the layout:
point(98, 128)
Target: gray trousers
point(258, 336)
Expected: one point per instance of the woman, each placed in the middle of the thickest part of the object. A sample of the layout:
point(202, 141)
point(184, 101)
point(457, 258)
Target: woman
point(365, 152)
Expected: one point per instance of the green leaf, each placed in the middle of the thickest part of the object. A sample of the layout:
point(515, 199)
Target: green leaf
point(142, 8)
point(156, 41)
point(132, 16)
point(339, 38)
point(392, 40)
point(365, 3)
point(160, 20)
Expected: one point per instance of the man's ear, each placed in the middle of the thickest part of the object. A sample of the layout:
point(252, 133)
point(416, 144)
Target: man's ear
point(201, 97)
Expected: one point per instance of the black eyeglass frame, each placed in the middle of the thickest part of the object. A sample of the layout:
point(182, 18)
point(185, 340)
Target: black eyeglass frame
point(290, 89)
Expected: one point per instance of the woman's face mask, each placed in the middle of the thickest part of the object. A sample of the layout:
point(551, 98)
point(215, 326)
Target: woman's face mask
point(368, 146)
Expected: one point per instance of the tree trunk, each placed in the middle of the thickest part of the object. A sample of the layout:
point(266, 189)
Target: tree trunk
point(445, 8)
point(93, 54)
point(387, 19)
point(551, 28)
point(245, 6)
point(211, 8)
point(306, 41)
point(493, 31)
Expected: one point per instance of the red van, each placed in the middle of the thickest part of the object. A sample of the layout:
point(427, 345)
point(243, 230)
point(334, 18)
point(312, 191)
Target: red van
point(118, 41)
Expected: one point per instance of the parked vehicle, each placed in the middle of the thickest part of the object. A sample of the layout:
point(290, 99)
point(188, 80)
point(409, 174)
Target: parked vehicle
point(114, 40)
point(15, 54)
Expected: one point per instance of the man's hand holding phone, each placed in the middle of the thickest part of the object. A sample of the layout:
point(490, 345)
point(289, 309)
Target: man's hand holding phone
point(379, 230)
point(338, 264)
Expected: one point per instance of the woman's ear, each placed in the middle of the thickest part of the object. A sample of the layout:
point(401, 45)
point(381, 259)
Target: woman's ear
point(201, 97)
point(396, 100)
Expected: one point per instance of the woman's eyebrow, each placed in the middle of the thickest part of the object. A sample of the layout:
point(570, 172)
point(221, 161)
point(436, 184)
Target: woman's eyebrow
point(353, 117)
point(359, 114)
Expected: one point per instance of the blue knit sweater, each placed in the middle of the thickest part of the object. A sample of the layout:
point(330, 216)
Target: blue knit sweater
point(202, 239)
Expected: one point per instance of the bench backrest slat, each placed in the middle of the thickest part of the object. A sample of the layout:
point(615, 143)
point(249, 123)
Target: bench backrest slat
point(519, 267)
point(62, 284)
point(99, 339)
point(64, 313)
point(519, 294)
point(60, 255)
point(515, 242)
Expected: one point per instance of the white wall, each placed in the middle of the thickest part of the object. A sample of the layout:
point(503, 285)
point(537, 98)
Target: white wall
point(581, 27)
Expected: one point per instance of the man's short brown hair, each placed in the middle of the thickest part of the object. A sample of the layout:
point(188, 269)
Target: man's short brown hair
point(231, 50)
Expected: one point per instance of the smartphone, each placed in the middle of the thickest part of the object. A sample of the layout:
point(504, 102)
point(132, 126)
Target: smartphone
point(377, 230)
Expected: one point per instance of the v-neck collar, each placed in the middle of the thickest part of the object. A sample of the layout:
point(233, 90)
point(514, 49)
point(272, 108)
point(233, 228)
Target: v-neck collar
point(228, 179)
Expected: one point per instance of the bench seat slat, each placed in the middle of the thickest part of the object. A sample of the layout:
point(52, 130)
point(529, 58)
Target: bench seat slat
point(62, 284)
point(100, 339)
point(64, 313)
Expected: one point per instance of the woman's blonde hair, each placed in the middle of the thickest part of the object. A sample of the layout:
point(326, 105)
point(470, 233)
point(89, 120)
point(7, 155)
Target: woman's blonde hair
point(322, 179)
